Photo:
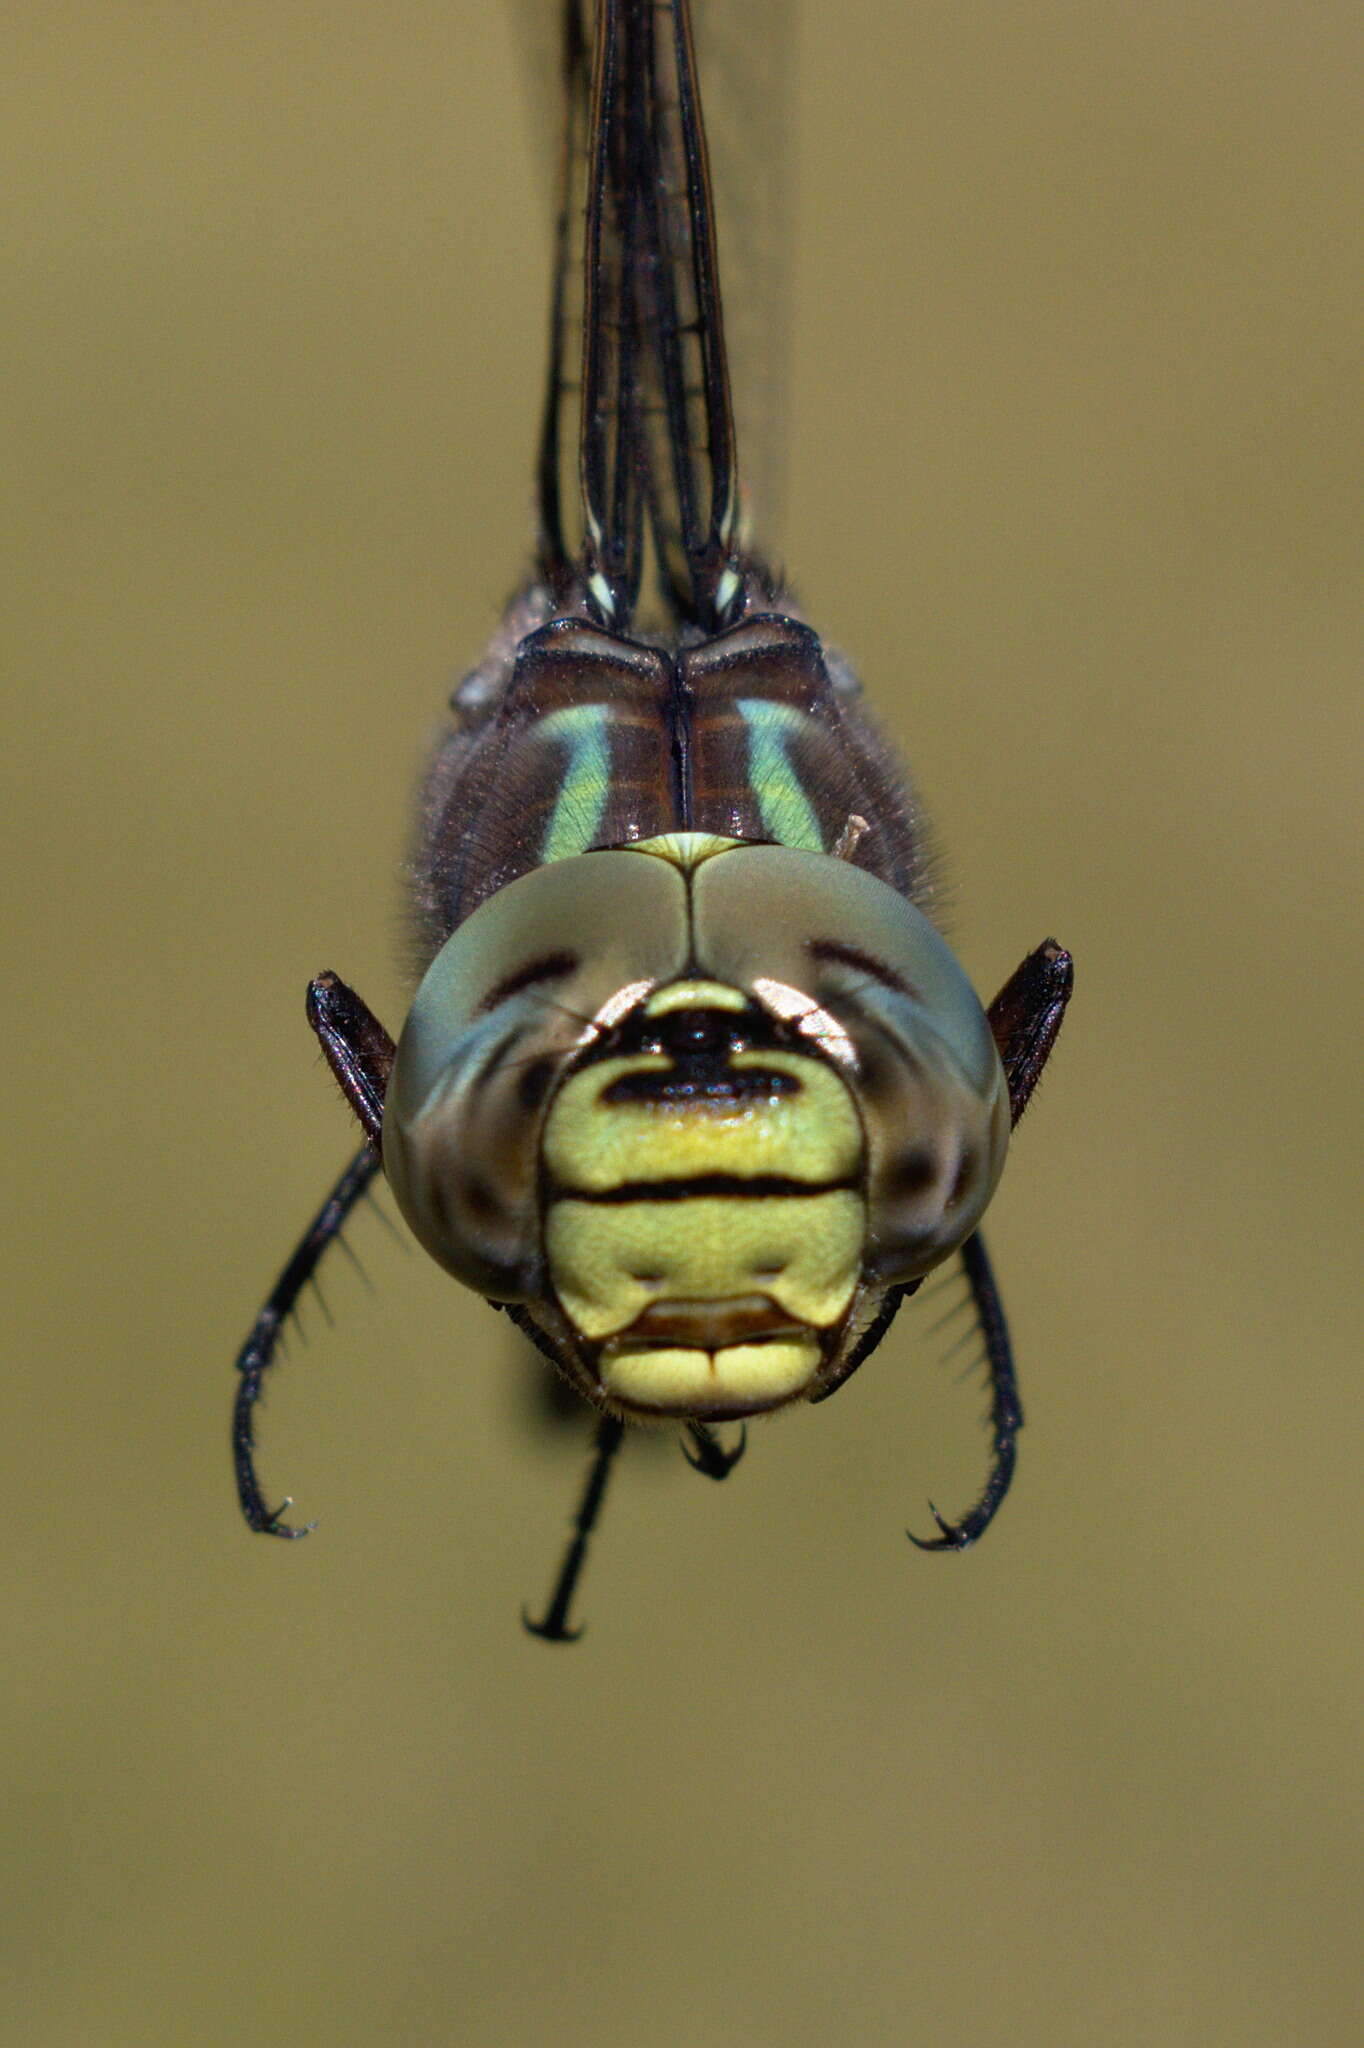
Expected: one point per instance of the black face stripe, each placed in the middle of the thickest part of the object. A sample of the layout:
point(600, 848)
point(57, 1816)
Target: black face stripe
point(549, 967)
point(690, 1082)
point(685, 1189)
point(838, 954)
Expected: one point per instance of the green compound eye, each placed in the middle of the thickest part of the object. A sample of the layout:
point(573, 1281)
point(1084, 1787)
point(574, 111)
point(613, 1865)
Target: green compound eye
point(506, 1005)
point(893, 1003)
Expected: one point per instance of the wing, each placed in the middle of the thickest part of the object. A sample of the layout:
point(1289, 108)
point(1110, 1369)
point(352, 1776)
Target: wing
point(638, 440)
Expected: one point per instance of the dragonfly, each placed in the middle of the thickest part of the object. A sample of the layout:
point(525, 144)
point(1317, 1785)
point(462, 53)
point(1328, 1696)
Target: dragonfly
point(692, 1089)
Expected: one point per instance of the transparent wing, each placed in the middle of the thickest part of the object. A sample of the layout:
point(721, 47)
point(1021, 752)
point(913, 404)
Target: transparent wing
point(745, 59)
point(745, 53)
point(555, 42)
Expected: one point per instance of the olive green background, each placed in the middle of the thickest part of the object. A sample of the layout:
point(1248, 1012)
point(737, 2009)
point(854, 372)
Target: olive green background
point(1074, 471)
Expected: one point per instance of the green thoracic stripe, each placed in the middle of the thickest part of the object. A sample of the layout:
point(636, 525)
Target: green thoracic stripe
point(581, 802)
point(787, 813)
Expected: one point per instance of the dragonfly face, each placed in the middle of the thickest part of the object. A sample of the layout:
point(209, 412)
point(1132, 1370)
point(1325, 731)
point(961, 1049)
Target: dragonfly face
point(692, 1086)
point(696, 1104)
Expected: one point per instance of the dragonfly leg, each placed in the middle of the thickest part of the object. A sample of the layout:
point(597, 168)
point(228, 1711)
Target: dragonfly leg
point(554, 1625)
point(711, 1457)
point(258, 1352)
point(358, 1049)
point(1026, 1015)
point(1006, 1411)
point(1025, 1018)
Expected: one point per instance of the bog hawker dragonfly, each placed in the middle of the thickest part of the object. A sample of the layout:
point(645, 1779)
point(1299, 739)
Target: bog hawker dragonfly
point(691, 1088)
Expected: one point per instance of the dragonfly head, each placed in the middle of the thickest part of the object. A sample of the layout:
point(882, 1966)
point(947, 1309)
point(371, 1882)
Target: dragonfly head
point(695, 1105)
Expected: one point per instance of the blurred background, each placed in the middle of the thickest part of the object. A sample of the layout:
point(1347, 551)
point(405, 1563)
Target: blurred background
point(1072, 468)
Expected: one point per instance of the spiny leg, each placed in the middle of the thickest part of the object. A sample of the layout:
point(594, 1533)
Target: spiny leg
point(1006, 1411)
point(360, 1053)
point(712, 1459)
point(554, 1626)
point(1025, 1018)
point(258, 1352)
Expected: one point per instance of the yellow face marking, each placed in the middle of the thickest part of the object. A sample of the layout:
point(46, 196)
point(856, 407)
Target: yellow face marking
point(695, 995)
point(686, 1382)
point(595, 1146)
point(610, 1261)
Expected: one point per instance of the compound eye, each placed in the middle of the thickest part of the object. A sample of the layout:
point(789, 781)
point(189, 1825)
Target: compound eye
point(521, 989)
point(912, 1031)
point(937, 1129)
